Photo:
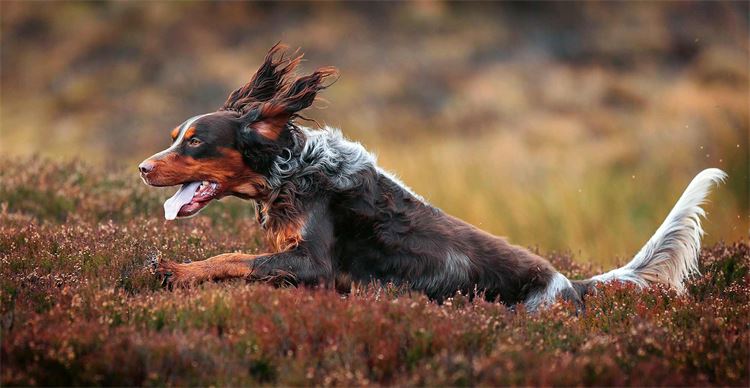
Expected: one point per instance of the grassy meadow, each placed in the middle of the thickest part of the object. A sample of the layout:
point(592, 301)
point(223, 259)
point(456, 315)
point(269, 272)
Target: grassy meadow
point(79, 307)
point(571, 128)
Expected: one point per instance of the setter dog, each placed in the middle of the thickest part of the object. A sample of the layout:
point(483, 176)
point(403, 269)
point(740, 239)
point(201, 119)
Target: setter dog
point(329, 212)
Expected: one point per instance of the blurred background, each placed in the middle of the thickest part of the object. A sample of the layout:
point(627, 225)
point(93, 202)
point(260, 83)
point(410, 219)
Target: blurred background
point(564, 126)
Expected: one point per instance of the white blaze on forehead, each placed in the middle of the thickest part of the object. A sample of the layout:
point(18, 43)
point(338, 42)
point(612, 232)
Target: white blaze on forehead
point(185, 126)
point(185, 193)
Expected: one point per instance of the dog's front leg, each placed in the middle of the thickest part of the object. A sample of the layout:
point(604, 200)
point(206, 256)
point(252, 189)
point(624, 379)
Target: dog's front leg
point(310, 262)
point(221, 267)
point(294, 267)
point(307, 263)
point(297, 266)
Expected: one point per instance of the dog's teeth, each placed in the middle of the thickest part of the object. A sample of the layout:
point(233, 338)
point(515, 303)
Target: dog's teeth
point(213, 186)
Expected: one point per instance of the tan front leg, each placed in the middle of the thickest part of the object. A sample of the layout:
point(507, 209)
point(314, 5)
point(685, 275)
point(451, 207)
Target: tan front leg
point(221, 267)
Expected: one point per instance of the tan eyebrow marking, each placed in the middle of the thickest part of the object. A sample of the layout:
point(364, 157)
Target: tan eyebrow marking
point(189, 133)
point(175, 132)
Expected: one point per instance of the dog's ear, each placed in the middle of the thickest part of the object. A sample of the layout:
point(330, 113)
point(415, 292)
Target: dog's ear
point(270, 118)
point(267, 82)
point(271, 99)
point(264, 128)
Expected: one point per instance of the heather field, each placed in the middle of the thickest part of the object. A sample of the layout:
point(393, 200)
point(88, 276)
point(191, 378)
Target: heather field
point(79, 308)
point(569, 127)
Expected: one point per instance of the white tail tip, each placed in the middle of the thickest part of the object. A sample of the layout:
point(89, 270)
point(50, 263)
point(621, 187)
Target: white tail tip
point(671, 255)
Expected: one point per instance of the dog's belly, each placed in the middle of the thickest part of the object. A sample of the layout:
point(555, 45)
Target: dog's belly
point(438, 274)
point(385, 234)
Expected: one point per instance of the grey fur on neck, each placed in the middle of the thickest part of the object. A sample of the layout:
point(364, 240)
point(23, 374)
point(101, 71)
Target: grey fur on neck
point(323, 153)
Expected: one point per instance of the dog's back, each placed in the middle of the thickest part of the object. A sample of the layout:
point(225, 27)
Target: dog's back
point(384, 231)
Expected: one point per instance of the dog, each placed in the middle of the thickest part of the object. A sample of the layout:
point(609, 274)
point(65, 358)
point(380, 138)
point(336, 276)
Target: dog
point(329, 212)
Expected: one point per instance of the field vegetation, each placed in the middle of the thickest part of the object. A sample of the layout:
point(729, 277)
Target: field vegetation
point(79, 306)
point(569, 128)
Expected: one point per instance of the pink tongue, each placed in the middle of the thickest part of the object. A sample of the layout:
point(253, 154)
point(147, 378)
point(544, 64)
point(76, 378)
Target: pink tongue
point(183, 196)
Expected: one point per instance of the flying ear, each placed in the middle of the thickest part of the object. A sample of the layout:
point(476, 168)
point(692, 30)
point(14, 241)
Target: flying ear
point(267, 82)
point(303, 91)
point(272, 116)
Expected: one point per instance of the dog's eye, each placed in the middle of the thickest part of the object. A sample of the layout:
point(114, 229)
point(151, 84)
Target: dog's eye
point(194, 142)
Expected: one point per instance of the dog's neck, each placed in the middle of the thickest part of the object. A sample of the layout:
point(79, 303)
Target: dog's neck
point(317, 163)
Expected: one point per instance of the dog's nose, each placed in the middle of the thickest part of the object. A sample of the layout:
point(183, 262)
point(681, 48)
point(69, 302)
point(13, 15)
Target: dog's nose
point(146, 167)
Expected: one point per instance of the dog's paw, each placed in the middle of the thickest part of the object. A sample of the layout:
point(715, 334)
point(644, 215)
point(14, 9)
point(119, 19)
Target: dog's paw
point(152, 262)
point(169, 272)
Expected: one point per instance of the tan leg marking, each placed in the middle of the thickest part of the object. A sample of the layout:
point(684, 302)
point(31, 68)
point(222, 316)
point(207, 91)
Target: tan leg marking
point(221, 267)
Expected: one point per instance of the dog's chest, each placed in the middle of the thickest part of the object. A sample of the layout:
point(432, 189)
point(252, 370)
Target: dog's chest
point(385, 247)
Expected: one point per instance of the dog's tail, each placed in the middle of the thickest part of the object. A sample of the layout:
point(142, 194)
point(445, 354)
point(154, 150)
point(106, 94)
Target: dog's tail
point(671, 255)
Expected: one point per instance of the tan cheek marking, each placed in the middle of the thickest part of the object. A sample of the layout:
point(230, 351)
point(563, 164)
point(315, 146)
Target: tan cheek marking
point(229, 170)
point(174, 168)
point(248, 188)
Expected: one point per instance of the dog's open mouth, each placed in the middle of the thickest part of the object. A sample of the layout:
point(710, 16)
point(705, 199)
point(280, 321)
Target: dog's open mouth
point(190, 199)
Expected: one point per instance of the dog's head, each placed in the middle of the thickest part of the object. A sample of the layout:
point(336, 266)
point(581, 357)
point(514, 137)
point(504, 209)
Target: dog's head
point(230, 151)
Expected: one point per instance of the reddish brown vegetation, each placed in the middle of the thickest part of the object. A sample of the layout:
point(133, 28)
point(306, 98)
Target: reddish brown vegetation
point(78, 308)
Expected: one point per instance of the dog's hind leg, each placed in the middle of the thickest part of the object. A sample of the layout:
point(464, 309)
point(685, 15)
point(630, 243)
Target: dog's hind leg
point(558, 286)
point(222, 267)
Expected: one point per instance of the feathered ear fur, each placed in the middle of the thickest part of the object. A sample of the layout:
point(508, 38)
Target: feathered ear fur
point(272, 116)
point(269, 102)
point(268, 81)
point(273, 96)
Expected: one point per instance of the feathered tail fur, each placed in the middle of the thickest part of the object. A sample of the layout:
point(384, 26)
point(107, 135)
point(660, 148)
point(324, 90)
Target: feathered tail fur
point(671, 255)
